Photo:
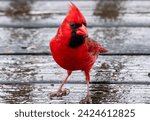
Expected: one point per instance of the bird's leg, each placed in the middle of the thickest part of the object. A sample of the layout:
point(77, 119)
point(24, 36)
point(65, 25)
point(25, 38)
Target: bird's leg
point(87, 99)
point(61, 92)
point(88, 82)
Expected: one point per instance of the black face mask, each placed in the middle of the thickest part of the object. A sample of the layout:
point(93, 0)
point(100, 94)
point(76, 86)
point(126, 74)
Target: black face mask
point(75, 40)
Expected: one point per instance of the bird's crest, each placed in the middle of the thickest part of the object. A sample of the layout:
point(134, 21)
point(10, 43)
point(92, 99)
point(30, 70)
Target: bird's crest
point(74, 14)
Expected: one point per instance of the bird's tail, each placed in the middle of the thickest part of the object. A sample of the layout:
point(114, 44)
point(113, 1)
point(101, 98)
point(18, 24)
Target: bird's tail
point(102, 50)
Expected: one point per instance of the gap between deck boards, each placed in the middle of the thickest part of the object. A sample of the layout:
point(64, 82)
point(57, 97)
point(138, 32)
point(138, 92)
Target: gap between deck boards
point(43, 25)
point(76, 82)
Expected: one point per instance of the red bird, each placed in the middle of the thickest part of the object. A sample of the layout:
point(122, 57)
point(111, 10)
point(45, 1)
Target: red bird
point(72, 49)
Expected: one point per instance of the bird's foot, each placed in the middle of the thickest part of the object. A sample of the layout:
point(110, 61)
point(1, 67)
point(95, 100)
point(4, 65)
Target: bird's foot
point(86, 100)
point(60, 93)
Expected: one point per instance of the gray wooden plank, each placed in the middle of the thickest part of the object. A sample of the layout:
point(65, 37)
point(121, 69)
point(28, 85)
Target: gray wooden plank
point(43, 69)
point(87, 7)
point(109, 93)
point(47, 14)
point(116, 40)
point(136, 20)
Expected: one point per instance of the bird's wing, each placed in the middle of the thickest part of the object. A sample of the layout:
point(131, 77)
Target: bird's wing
point(94, 48)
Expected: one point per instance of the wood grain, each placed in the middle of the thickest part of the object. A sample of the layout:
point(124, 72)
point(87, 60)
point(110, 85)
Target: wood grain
point(46, 13)
point(115, 40)
point(43, 69)
point(108, 93)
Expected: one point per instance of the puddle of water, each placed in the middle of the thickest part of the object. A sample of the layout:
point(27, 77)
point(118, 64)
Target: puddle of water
point(16, 94)
point(19, 9)
point(127, 94)
point(108, 9)
point(104, 93)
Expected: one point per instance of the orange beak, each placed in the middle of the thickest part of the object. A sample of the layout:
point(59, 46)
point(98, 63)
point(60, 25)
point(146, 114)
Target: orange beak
point(82, 31)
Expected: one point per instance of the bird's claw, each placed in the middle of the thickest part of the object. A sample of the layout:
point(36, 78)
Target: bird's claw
point(60, 93)
point(86, 100)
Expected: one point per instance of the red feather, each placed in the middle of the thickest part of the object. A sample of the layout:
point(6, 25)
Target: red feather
point(83, 54)
point(75, 15)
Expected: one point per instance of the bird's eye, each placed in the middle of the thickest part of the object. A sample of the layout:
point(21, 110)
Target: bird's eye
point(73, 25)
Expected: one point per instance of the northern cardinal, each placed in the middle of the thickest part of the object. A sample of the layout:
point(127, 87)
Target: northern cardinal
point(72, 49)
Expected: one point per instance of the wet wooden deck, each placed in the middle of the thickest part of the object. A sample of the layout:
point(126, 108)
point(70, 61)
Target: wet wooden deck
point(28, 72)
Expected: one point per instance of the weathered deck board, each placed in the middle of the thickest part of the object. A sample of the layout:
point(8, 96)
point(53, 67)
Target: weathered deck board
point(43, 69)
point(54, 21)
point(38, 93)
point(116, 40)
point(47, 14)
point(119, 77)
point(122, 6)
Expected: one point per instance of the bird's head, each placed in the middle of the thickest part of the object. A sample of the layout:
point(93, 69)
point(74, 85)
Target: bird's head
point(74, 27)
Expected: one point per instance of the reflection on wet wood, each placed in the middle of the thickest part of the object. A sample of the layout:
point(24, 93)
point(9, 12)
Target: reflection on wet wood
point(116, 40)
point(43, 69)
point(105, 93)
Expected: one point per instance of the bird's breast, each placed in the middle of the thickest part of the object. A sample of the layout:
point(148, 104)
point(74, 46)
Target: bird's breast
point(72, 58)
